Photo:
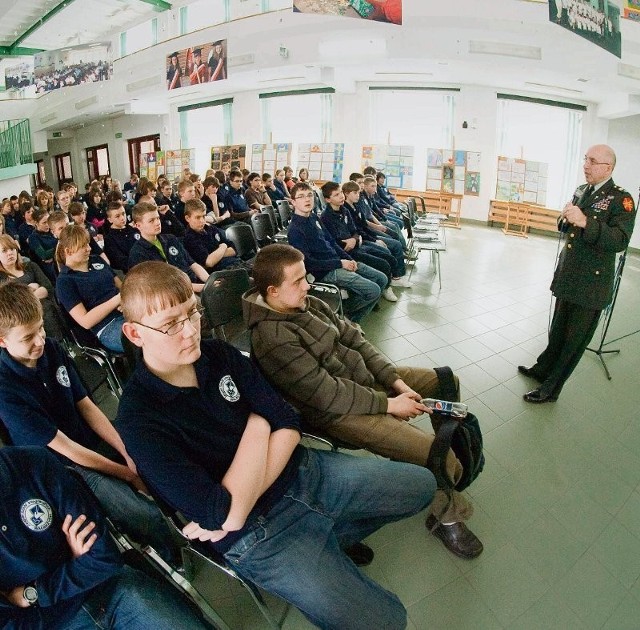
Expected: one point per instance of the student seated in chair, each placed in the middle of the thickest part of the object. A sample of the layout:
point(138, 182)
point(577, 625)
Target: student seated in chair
point(342, 385)
point(43, 403)
point(60, 566)
point(212, 438)
point(119, 237)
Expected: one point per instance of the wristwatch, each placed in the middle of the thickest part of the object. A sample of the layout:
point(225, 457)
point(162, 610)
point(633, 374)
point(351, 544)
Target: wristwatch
point(30, 594)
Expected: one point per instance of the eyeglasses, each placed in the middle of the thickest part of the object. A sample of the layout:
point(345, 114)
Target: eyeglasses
point(592, 162)
point(176, 327)
point(305, 196)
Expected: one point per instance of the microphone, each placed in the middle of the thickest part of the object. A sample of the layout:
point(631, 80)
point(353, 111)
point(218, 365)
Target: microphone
point(564, 226)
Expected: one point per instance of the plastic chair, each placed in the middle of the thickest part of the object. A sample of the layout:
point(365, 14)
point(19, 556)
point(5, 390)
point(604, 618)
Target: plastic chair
point(285, 211)
point(222, 301)
point(279, 234)
point(330, 294)
point(263, 229)
point(243, 239)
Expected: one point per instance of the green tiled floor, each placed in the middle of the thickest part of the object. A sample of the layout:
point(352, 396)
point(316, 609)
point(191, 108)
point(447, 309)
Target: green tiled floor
point(558, 505)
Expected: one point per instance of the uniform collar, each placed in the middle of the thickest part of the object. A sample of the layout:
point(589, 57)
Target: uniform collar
point(20, 370)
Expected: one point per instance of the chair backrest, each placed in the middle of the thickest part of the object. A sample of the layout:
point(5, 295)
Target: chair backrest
point(243, 239)
point(222, 297)
point(329, 294)
point(285, 211)
point(275, 218)
point(412, 208)
point(262, 228)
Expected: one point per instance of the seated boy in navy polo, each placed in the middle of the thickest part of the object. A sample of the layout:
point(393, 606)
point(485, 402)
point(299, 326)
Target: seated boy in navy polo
point(235, 200)
point(60, 567)
point(164, 247)
point(207, 244)
point(213, 439)
point(42, 244)
point(186, 191)
point(43, 403)
point(119, 236)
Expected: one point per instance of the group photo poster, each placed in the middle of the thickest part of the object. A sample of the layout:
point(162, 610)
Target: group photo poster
point(631, 10)
point(19, 76)
point(228, 157)
point(196, 65)
point(598, 21)
point(389, 11)
point(55, 69)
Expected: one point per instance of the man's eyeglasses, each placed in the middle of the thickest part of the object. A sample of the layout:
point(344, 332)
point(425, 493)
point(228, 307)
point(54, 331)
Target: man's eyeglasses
point(591, 162)
point(305, 196)
point(176, 327)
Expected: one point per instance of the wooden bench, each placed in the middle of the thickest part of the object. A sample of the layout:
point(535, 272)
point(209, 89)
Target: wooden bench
point(435, 201)
point(518, 218)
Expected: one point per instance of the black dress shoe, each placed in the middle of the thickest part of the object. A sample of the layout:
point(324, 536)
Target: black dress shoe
point(531, 373)
point(457, 538)
point(536, 396)
point(360, 554)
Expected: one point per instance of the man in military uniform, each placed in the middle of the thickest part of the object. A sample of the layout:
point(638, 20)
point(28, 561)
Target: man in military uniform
point(598, 223)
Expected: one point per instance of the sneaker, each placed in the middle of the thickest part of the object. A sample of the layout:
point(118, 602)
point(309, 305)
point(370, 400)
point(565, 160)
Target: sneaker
point(360, 554)
point(389, 295)
point(457, 538)
point(403, 283)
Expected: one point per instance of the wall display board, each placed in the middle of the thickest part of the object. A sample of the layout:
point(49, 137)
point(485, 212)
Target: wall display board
point(19, 76)
point(395, 161)
point(631, 10)
point(453, 171)
point(226, 158)
point(169, 163)
point(598, 22)
point(267, 158)
point(323, 161)
point(55, 69)
point(198, 64)
point(389, 11)
point(522, 180)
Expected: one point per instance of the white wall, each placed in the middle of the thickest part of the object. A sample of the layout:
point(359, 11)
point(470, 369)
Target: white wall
point(14, 186)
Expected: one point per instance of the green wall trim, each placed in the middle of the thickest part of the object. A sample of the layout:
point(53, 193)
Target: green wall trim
point(297, 92)
point(542, 101)
point(21, 170)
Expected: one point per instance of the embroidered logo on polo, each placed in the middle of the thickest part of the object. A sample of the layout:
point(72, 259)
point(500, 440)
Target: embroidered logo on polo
point(173, 250)
point(36, 514)
point(228, 389)
point(62, 376)
point(136, 236)
point(98, 266)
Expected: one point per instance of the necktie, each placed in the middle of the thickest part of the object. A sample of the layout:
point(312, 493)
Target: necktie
point(588, 191)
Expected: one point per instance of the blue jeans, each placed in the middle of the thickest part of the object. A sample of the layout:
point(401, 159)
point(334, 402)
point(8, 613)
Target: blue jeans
point(134, 601)
point(131, 511)
point(392, 253)
point(395, 231)
point(111, 335)
point(295, 551)
point(364, 286)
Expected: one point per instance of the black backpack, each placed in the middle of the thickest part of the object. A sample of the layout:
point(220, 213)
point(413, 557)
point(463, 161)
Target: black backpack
point(463, 435)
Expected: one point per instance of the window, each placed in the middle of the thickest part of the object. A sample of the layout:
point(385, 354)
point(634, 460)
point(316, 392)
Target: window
point(63, 168)
point(138, 146)
point(297, 116)
point(422, 118)
point(201, 14)
point(138, 37)
point(549, 133)
point(41, 175)
point(203, 126)
point(98, 161)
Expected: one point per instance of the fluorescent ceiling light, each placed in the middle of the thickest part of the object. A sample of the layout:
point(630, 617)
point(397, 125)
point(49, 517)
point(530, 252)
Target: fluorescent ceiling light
point(505, 50)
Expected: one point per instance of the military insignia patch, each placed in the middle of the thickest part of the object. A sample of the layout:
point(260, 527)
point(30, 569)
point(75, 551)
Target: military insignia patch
point(627, 204)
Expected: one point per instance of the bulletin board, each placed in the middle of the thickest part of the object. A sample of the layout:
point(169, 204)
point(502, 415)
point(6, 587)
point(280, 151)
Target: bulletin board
point(522, 180)
point(267, 158)
point(453, 171)
point(231, 156)
point(169, 163)
point(395, 161)
point(323, 161)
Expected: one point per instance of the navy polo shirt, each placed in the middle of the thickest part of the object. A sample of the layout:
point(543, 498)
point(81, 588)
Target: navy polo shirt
point(118, 244)
point(359, 218)
point(89, 288)
point(235, 200)
point(173, 249)
point(36, 493)
point(183, 439)
point(201, 244)
point(339, 224)
point(37, 402)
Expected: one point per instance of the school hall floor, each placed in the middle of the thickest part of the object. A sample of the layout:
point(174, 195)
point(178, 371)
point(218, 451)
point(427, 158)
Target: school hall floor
point(558, 504)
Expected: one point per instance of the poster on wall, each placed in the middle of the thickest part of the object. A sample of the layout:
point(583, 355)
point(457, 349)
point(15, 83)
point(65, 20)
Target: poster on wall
point(19, 76)
point(395, 161)
point(389, 11)
point(228, 157)
point(522, 180)
point(323, 161)
point(198, 64)
point(267, 158)
point(55, 69)
point(597, 21)
point(453, 171)
point(169, 163)
point(631, 10)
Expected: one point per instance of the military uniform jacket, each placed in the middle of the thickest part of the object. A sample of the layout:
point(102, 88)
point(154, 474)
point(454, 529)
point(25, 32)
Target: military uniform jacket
point(586, 266)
